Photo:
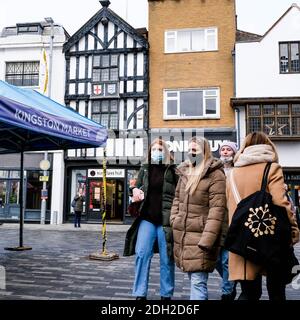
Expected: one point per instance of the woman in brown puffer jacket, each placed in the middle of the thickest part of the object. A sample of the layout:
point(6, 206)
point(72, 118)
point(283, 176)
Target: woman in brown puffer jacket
point(197, 214)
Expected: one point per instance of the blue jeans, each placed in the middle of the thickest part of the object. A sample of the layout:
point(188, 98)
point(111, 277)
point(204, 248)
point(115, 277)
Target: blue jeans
point(198, 285)
point(222, 268)
point(147, 234)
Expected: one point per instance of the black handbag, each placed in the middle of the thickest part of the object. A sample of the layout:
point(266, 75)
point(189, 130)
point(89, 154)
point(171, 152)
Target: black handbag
point(259, 231)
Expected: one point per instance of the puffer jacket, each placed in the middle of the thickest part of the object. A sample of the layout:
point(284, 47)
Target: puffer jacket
point(78, 203)
point(197, 219)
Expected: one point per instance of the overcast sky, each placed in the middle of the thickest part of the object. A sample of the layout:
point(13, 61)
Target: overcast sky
point(253, 15)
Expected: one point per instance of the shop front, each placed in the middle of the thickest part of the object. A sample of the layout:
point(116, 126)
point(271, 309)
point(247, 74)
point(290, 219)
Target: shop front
point(10, 184)
point(292, 179)
point(90, 181)
point(124, 159)
point(9, 195)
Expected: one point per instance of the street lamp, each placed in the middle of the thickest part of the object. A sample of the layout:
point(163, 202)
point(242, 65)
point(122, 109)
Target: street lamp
point(50, 20)
point(45, 167)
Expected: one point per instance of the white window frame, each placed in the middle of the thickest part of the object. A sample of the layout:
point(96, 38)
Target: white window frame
point(179, 116)
point(173, 34)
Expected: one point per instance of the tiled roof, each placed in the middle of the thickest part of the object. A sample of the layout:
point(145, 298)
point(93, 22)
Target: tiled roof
point(243, 36)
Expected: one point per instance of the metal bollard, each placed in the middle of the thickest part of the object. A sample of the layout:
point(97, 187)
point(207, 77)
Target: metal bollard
point(55, 214)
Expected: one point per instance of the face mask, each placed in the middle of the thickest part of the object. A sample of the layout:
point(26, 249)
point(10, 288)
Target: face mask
point(195, 158)
point(226, 159)
point(157, 156)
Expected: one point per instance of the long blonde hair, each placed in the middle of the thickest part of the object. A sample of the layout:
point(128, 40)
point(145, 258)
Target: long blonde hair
point(254, 138)
point(195, 172)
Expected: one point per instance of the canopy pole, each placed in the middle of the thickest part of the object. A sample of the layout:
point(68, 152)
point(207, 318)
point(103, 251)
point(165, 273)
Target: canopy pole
point(21, 202)
point(104, 255)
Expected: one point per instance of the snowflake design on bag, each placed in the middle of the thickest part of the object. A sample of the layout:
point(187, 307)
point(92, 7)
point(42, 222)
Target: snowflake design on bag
point(260, 221)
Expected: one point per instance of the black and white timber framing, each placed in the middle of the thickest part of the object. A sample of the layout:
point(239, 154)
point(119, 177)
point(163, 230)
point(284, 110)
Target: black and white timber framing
point(107, 73)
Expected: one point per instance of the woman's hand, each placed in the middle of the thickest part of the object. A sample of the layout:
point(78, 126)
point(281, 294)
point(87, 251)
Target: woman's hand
point(137, 195)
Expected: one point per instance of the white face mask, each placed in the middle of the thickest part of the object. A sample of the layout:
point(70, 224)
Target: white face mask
point(226, 159)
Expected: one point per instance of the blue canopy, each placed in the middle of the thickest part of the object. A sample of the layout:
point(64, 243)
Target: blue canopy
point(30, 121)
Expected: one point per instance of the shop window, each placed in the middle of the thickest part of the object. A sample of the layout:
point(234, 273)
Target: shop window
point(34, 187)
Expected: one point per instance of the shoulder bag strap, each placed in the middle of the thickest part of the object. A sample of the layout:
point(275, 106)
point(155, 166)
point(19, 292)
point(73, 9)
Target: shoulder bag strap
point(235, 192)
point(264, 181)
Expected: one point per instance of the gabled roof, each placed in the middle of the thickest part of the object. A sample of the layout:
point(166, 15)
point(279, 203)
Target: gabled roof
point(111, 16)
point(294, 5)
point(252, 37)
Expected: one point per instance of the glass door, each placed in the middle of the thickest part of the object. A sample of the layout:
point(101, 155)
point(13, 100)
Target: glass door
point(9, 199)
point(94, 200)
point(3, 195)
point(114, 199)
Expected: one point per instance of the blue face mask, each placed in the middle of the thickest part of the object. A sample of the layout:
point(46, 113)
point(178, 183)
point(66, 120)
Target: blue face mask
point(157, 156)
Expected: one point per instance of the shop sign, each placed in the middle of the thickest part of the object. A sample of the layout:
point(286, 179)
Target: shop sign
point(110, 173)
point(44, 178)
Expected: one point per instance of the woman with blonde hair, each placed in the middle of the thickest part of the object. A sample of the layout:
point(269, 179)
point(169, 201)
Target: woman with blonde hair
point(197, 214)
point(155, 186)
point(245, 179)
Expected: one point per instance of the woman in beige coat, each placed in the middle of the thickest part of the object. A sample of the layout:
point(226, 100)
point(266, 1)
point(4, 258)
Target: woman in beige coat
point(249, 164)
point(197, 215)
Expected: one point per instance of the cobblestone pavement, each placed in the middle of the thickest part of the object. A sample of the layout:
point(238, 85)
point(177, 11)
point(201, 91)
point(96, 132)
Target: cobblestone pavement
point(58, 267)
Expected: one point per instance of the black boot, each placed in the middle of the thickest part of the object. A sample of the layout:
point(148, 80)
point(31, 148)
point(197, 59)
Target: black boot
point(230, 296)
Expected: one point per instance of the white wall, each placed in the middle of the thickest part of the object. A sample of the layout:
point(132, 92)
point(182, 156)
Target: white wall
point(289, 153)
point(57, 197)
point(257, 63)
point(30, 48)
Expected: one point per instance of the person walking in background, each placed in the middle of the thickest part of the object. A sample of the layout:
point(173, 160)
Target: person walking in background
point(151, 231)
point(197, 215)
point(295, 210)
point(249, 165)
point(78, 208)
point(227, 152)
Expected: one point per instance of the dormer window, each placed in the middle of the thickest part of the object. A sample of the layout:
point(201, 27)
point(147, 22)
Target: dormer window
point(29, 28)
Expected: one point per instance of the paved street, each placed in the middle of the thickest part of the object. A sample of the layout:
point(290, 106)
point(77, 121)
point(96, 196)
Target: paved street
point(58, 266)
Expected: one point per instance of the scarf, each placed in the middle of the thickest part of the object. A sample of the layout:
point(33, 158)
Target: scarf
point(255, 154)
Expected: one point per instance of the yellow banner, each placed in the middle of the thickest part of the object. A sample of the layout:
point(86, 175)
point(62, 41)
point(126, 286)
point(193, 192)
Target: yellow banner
point(46, 71)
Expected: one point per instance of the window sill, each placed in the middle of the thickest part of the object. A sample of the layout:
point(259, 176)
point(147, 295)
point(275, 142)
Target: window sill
point(192, 118)
point(291, 72)
point(284, 138)
point(196, 51)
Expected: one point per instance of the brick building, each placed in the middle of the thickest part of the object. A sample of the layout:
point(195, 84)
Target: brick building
point(191, 67)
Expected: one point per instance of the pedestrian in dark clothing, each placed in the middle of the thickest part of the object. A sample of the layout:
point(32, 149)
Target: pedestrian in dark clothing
point(155, 186)
point(78, 208)
point(227, 151)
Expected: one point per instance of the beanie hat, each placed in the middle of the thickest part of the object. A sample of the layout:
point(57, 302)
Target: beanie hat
point(229, 144)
